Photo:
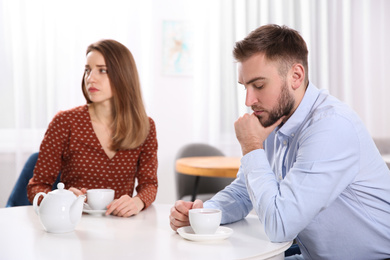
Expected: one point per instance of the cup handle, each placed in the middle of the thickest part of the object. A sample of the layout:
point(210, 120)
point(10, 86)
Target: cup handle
point(35, 201)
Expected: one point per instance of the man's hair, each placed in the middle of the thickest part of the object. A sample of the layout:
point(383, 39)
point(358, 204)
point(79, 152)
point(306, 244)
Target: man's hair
point(278, 43)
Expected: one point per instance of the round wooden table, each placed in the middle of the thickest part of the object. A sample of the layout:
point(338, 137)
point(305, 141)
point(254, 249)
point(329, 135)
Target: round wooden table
point(210, 166)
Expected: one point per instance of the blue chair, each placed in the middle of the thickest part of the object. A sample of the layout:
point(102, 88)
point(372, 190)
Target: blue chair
point(18, 195)
point(293, 250)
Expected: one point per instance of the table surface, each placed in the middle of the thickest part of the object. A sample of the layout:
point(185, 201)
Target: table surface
point(210, 166)
point(145, 236)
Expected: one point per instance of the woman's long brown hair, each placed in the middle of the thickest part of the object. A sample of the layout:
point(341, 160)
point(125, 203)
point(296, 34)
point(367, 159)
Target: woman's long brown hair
point(131, 123)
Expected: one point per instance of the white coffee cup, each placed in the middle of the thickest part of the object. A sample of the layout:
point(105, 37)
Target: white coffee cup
point(205, 221)
point(98, 199)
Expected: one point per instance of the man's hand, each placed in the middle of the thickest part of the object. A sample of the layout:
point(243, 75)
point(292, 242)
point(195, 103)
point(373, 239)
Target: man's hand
point(251, 134)
point(179, 213)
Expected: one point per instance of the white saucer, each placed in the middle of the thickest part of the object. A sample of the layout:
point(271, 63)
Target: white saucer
point(90, 211)
point(188, 233)
point(94, 212)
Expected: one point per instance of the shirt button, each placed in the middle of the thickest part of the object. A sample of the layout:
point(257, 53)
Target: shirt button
point(284, 142)
point(292, 135)
point(280, 177)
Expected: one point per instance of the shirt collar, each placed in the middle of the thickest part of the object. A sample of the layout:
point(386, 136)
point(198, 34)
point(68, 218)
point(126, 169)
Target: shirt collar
point(291, 126)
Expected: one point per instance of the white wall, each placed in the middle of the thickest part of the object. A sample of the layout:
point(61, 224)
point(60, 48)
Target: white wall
point(42, 49)
point(169, 102)
point(170, 106)
point(168, 99)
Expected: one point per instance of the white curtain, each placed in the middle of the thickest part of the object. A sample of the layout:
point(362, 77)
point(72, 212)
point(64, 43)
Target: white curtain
point(42, 55)
point(42, 51)
point(348, 55)
point(215, 78)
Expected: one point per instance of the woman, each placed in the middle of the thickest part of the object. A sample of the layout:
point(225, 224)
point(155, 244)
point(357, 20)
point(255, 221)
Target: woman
point(107, 143)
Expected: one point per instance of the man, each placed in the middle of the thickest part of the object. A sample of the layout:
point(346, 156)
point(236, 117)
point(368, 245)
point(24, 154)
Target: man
point(310, 169)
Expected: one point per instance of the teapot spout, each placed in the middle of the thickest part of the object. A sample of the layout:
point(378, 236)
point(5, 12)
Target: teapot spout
point(76, 209)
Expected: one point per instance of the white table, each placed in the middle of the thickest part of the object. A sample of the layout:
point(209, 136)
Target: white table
point(145, 236)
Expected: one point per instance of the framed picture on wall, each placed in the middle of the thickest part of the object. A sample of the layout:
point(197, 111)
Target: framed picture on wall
point(177, 56)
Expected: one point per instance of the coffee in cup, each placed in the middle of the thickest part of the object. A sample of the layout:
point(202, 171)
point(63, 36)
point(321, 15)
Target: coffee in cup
point(205, 221)
point(98, 199)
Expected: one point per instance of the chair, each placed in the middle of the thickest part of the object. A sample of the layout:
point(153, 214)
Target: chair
point(383, 145)
point(18, 195)
point(293, 250)
point(196, 187)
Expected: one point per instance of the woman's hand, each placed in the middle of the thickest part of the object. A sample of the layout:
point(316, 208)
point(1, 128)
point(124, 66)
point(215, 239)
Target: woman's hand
point(78, 192)
point(125, 206)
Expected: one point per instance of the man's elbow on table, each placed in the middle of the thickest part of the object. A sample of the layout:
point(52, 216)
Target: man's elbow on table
point(279, 234)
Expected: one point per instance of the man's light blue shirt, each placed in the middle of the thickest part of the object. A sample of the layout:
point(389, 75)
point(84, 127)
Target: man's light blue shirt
point(320, 179)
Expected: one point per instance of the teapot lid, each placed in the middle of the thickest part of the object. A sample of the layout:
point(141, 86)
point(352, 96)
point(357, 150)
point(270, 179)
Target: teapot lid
point(61, 190)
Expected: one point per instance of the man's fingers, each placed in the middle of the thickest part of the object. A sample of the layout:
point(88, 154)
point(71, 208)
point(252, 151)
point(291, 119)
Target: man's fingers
point(175, 214)
point(179, 214)
point(197, 204)
point(183, 206)
point(178, 222)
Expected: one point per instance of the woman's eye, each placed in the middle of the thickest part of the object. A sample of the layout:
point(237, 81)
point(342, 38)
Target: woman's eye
point(87, 71)
point(103, 71)
point(259, 87)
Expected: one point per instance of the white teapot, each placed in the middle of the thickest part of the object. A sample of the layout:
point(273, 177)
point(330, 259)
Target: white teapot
point(60, 210)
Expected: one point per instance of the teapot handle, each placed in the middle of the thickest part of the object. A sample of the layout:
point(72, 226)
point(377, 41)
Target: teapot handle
point(35, 201)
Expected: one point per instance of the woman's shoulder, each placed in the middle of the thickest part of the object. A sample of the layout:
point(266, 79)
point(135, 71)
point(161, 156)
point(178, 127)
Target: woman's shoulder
point(80, 111)
point(72, 115)
point(152, 135)
point(151, 121)
point(152, 126)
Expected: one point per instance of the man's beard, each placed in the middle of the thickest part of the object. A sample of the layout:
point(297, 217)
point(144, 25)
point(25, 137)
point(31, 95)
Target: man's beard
point(284, 107)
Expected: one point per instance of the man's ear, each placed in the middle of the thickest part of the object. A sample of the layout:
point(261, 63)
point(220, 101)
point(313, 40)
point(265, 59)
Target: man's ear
point(297, 76)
